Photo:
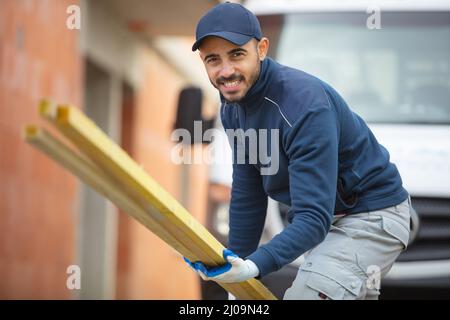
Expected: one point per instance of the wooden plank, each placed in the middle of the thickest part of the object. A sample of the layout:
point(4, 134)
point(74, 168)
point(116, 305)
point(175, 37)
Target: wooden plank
point(47, 110)
point(91, 175)
point(150, 196)
point(100, 149)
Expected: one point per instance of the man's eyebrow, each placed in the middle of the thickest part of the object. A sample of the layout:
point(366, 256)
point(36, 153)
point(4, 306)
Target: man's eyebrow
point(236, 50)
point(229, 53)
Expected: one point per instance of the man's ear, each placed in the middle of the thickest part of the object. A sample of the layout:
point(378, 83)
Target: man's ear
point(263, 48)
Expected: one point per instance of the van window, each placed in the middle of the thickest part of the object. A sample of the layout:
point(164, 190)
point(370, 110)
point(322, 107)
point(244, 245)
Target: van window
point(397, 74)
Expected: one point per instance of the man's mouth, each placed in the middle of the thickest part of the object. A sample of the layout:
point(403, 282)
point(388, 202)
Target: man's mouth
point(230, 86)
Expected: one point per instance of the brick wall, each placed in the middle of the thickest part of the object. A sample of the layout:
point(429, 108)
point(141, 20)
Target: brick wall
point(38, 57)
point(147, 267)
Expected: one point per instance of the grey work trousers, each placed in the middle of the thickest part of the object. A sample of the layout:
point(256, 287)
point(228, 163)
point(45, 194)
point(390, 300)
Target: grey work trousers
point(356, 253)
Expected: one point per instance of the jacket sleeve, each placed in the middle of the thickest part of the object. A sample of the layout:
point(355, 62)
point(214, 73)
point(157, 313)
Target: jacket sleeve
point(312, 148)
point(248, 208)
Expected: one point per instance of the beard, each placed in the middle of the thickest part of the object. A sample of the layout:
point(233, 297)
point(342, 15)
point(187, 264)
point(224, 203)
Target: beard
point(253, 77)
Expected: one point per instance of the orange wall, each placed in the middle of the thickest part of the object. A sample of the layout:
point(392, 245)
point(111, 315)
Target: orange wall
point(147, 267)
point(38, 57)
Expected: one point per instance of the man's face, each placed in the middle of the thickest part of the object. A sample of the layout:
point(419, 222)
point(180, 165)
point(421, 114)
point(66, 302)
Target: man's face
point(231, 69)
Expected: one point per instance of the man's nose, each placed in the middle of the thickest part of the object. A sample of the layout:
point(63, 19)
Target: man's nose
point(227, 70)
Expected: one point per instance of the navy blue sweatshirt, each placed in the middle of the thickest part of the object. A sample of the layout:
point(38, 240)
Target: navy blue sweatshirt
point(329, 161)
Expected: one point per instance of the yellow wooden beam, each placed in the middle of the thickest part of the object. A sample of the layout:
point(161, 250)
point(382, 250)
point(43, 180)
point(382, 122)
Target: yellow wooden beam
point(93, 176)
point(156, 202)
point(102, 150)
point(47, 110)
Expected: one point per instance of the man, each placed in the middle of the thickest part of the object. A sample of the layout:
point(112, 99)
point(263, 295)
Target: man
point(349, 211)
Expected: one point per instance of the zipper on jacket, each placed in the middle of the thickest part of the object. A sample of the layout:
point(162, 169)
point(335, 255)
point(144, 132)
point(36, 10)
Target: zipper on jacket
point(241, 115)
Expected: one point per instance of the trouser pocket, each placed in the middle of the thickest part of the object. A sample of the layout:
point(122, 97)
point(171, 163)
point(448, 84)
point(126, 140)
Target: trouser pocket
point(321, 282)
point(396, 230)
point(396, 221)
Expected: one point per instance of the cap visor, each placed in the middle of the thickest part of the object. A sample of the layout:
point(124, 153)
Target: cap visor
point(236, 38)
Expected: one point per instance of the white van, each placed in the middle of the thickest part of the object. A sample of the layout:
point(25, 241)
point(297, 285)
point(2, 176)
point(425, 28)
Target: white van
point(390, 60)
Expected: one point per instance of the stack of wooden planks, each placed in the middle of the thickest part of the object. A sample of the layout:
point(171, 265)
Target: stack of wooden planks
point(99, 162)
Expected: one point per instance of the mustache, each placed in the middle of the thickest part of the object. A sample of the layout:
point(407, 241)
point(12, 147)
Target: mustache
point(234, 77)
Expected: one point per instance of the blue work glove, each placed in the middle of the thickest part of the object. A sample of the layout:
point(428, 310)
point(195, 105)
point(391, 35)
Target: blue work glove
point(235, 270)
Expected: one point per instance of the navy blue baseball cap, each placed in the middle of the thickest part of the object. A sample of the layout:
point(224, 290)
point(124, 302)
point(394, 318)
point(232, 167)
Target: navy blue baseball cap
point(230, 21)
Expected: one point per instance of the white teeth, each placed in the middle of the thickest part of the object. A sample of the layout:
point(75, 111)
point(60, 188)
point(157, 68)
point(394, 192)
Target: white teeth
point(231, 84)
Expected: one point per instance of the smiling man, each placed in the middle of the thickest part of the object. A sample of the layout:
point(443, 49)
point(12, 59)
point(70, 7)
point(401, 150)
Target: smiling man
point(348, 208)
point(233, 70)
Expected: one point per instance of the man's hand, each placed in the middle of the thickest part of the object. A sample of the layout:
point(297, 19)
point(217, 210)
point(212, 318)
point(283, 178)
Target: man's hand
point(235, 270)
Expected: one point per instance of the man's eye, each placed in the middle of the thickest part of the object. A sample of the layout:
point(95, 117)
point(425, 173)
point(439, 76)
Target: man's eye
point(211, 60)
point(237, 54)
